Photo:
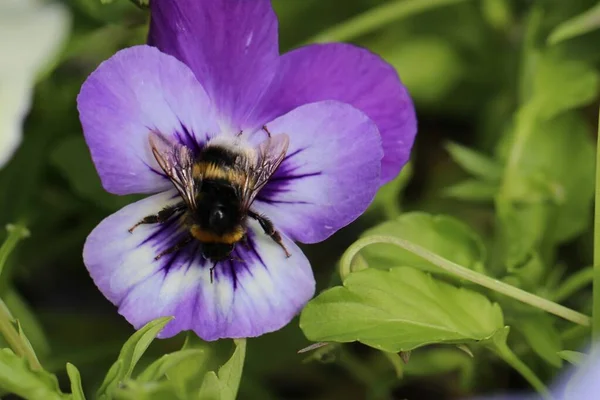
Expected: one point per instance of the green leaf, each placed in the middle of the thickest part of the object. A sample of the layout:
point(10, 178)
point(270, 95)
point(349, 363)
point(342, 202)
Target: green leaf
point(161, 367)
point(133, 390)
point(399, 310)
point(230, 374)
point(581, 24)
point(442, 360)
point(573, 357)
point(75, 377)
point(444, 235)
point(188, 374)
point(225, 384)
point(472, 190)
point(474, 162)
point(72, 158)
point(561, 84)
point(211, 387)
point(27, 318)
point(17, 377)
point(541, 335)
point(541, 203)
point(131, 353)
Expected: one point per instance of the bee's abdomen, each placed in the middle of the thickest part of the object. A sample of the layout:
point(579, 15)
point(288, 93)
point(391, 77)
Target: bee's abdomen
point(206, 236)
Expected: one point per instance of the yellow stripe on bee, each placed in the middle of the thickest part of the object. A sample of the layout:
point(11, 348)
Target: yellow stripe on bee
point(205, 170)
point(210, 237)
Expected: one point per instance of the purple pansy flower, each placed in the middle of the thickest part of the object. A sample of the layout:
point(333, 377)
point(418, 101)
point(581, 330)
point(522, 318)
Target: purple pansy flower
point(213, 69)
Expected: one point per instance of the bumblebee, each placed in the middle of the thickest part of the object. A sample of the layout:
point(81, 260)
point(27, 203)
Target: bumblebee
point(217, 189)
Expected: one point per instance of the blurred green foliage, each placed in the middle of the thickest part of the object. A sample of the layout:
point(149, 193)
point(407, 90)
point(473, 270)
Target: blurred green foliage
point(501, 182)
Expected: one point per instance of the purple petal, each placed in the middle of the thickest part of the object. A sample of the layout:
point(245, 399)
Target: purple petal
point(260, 294)
point(330, 174)
point(231, 46)
point(137, 90)
point(351, 75)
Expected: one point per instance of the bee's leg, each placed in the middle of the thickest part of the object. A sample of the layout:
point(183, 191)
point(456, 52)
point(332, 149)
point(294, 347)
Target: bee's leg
point(176, 247)
point(264, 128)
point(239, 133)
point(269, 229)
point(161, 216)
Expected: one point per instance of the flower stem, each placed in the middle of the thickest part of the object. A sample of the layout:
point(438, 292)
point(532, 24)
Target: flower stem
point(467, 274)
point(376, 18)
point(596, 287)
point(515, 362)
point(15, 234)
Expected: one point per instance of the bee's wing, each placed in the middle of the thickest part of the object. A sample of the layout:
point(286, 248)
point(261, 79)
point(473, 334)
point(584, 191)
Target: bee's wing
point(177, 162)
point(270, 154)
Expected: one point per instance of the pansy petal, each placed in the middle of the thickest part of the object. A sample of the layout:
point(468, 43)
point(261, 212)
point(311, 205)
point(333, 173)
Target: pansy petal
point(352, 75)
point(137, 90)
point(329, 175)
point(231, 46)
point(258, 291)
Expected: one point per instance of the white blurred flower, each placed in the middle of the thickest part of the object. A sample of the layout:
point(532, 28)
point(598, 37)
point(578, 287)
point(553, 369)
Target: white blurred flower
point(31, 33)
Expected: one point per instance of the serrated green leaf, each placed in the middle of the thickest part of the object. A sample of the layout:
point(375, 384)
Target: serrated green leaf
point(581, 24)
point(475, 163)
point(160, 367)
point(399, 310)
point(542, 336)
point(75, 378)
point(443, 235)
point(131, 353)
point(16, 376)
point(561, 84)
point(472, 190)
point(573, 357)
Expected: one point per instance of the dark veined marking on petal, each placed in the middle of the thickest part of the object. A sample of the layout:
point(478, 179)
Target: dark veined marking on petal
point(294, 177)
point(162, 228)
point(293, 153)
point(253, 246)
point(272, 201)
point(194, 255)
point(189, 140)
point(159, 173)
point(233, 272)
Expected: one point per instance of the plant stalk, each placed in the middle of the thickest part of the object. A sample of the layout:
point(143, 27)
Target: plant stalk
point(596, 283)
point(467, 274)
